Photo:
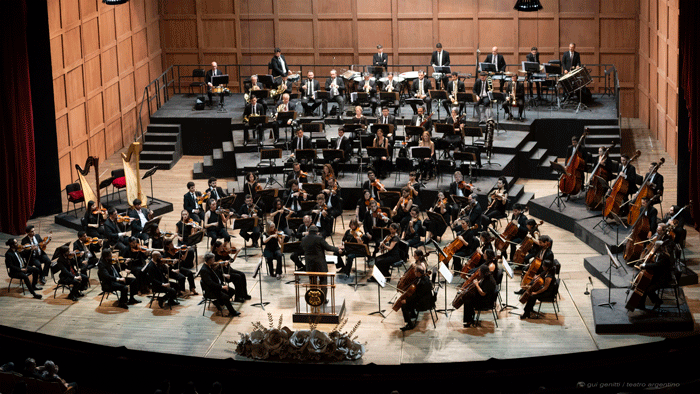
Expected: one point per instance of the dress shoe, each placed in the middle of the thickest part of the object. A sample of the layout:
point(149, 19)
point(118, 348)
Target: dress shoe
point(468, 324)
point(42, 280)
point(133, 301)
point(408, 327)
point(247, 297)
point(193, 292)
point(38, 288)
point(279, 277)
point(521, 291)
point(160, 303)
point(173, 302)
point(234, 313)
point(525, 315)
point(239, 299)
point(123, 306)
point(73, 298)
point(37, 296)
point(81, 294)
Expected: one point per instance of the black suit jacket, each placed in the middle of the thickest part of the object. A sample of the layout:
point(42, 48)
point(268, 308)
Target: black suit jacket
point(154, 274)
point(519, 90)
point(210, 282)
point(422, 297)
point(112, 230)
point(428, 124)
point(391, 119)
point(477, 87)
point(65, 268)
point(13, 262)
point(533, 58)
point(219, 193)
point(338, 81)
point(372, 88)
point(190, 203)
point(500, 61)
point(305, 92)
point(276, 66)
point(380, 59)
point(568, 62)
point(445, 58)
point(427, 86)
point(658, 181)
point(210, 75)
point(631, 173)
point(305, 143)
point(451, 87)
point(26, 241)
point(249, 110)
point(136, 227)
point(345, 146)
point(315, 248)
point(394, 84)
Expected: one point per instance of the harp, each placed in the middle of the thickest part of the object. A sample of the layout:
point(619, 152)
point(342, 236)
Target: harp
point(130, 160)
point(88, 191)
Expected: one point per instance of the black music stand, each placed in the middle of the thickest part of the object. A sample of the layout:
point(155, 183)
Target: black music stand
point(220, 80)
point(413, 131)
point(282, 118)
point(384, 127)
point(389, 198)
point(331, 154)
point(243, 224)
point(444, 128)
point(309, 155)
point(261, 94)
point(325, 97)
point(258, 273)
point(497, 97)
point(359, 250)
point(266, 80)
point(510, 273)
point(227, 202)
point(473, 132)
point(558, 199)
point(267, 195)
point(440, 96)
point(554, 70)
point(313, 189)
point(531, 68)
point(488, 67)
point(149, 174)
point(463, 98)
point(258, 123)
point(151, 225)
point(617, 265)
point(270, 155)
point(377, 152)
point(461, 201)
point(375, 70)
point(311, 128)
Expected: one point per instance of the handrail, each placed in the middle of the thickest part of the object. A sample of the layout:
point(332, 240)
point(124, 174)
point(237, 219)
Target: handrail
point(161, 99)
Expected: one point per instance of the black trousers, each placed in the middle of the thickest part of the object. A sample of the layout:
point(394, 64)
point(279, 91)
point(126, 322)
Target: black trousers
point(76, 286)
point(222, 298)
point(218, 232)
point(24, 276)
point(384, 262)
point(124, 288)
point(272, 256)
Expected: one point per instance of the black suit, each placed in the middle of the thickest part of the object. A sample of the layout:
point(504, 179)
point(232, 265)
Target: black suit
point(427, 101)
point(450, 89)
point(416, 121)
point(500, 65)
point(305, 143)
point(315, 248)
point(136, 227)
point(109, 280)
point(420, 300)
point(631, 173)
point(444, 62)
point(534, 59)
point(380, 60)
point(112, 230)
point(209, 79)
point(190, 203)
point(249, 110)
point(15, 262)
point(338, 98)
point(480, 90)
point(88, 260)
point(37, 257)
point(519, 98)
point(68, 274)
point(568, 62)
point(277, 68)
point(216, 193)
point(212, 286)
point(344, 145)
point(309, 100)
point(658, 181)
point(372, 96)
point(158, 280)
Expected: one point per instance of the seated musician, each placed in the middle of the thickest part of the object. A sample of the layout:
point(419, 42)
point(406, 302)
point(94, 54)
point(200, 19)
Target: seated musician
point(454, 82)
point(183, 268)
point(135, 258)
point(342, 143)
point(413, 229)
point(225, 256)
point(250, 210)
point(606, 165)
point(381, 164)
point(354, 235)
point(391, 256)
point(36, 255)
point(515, 97)
point(421, 90)
point(520, 220)
point(469, 243)
point(214, 288)
point(661, 269)
point(309, 100)
point(627, 171)
point(94, 220)
point(386, 118)
point(482, 296)
point(140, 216)
point(420, 117)
point(283, 106)
point(326, 174)
point(414, 187)
point(677, 224)
point(296, 175)
point(87, 250)
point(656, 182)
point(20, 269)
point(403, 206)
point(334, 202)
point(571, 148)
point(300, 141)
point(115, 234)
point(251, 185)
point(427, 165)
point(209, 79)
point(301, 232)
point(373, 185)
point(272, 251)
point(498, 200)
point(294, 199)
point(363, 204)
point(483, 103)
point(112, 280)
point(651, 213)
point(253, 109)
point(455, 138)
point(374, 217)
point(279, 215)
point(336, 87)
point(543, 252)
point(216, 222)
point(185, 227)
point(69, 274)
point(370, 87)
point(436, 228)
point(420, 300)
point(549, 275)
point(359, 118)
point(321, 217)
point(157, 273)
point(391, 86)
point(214, 191)
point(460, 187)
point(534, 233)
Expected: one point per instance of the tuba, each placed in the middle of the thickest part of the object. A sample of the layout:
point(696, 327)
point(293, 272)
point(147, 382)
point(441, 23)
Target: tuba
point(279, 90)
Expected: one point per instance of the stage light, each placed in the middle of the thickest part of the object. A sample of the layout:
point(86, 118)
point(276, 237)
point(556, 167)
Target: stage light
point(528, 5)
point(115, 2)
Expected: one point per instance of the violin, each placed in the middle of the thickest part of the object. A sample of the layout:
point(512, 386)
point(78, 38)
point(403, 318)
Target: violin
point(223, 211)
point(378, 185)
point(124, 219)
point(140, 248)
point(464, 185)
point(99, 211)
point(379, 214)
point(203, 198)
point(191, 222)
point(367, 202)
point(44, 242)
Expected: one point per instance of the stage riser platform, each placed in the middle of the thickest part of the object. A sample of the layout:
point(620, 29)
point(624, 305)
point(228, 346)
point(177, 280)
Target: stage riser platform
point(621, 277)
point(618, 320)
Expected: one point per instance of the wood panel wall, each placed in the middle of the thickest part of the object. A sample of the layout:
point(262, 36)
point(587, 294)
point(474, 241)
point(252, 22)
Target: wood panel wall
point(102, 58)
point(658, 71)
point(343, 32)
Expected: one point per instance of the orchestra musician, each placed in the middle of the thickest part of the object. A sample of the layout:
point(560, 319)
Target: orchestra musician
point(134, 257)
point(360, 119)
point(322, 218)
point(284, 105)
point(549, 275)
point(370, 87)
point(497, 59)
point(678, 224)
point(214, 288)
point(250, 210)
point(209, 80)
point(482, 296)
point(427, 164)
point(336, 87)
point(182, 269)
point(326, 174)
point(216, 222)
point(272, 251)
point(422, 297)
point(456, 136)
point(452, 85)
point(374, 217)
point(214, 191)
point(363, 204)
point(185, 227)
point(436, 228)
point(279, 214)
point(279, 65)
point(630, 174)
point(459, 187)
point(381, 61)
point(515, 93)
point(534, 57)
point(373, 185)
point(315, 248)
point(309, 87)
point(440, 58)
point(157, 273)
point(294, 199)
point(386, 118)
point(420, 89)
point(87, 251)
point(115, 234)
point(381, 163)
point(391, 256)
point(251, 185)
point(519, 218)
point(191, 202)
point(354, 235)
point(94, 220)
point(472, 211)
point(570, 59)
point(656, 181)
point(470, 243)
point(253, 109)
point(229, 275)
point(112, 280)
point(140, 216)
point(498, 200)
point(300, 141)
point(543, 253)
point(391, 86)
point(413, 228)
point(403, 206)
point(334, 202)
point(605, 163)
point(414, 187)
point(483, 104)
point(342, 143)
point(36, 255)
point(296, 175)
point(20, 269)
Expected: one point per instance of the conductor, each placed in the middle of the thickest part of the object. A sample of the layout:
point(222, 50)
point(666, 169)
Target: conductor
point(315, 248)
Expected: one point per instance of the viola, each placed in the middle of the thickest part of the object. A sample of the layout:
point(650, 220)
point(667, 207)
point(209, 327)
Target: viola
point(367, 202)
point(619, 190)
point(44, 242)
point(571, 181)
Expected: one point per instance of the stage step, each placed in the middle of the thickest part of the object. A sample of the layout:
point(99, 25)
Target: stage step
point(221, 163)
point(162, 146)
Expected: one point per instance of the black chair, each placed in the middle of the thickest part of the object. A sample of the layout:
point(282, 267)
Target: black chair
point(403, 164)
point(58, 283)
point(21, 282)
point(197, 73)
point(553, 299)
point(489, 306)
point(74, 193)
point(155, 295)
point(207, 301)
point(445, 166)
point(105, 293)
point(433, 299)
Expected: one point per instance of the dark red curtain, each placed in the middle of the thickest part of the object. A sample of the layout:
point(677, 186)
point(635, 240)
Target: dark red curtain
point(18, 172)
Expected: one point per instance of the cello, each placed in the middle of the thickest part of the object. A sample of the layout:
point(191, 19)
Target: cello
point(525, 247)
point(501, 242)
point(598, 183)
point(644, 191)
point(531, 273)
point(571, 181)
point(640, 283)
point(453, 247)
point(617, 193)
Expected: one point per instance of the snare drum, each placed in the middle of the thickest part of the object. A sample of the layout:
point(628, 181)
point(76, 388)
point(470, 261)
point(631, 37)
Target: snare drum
point(409, 75)
point(294, 78)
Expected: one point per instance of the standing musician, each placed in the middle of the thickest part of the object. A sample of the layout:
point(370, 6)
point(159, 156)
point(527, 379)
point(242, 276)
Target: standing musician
point(253, 109)
point(87, 251)
point(183, 265)
point(140, 216)
point(294, 199)
point(210, 79)
point(420, 90)
point(547, 290)
point(520, 220)
point(354, 235)
point(482, 295)
point(250, 210)
point(36, 255)
point(571, 59)
point(20, 269)
point(112, 280)
point(214, 191)
point(315, 248)
point(279, 65)
point(272, 240)
point(498, 199)
point(216, 222)
point(454, 86)
point(214, 288)
point(309, 87)
point(381, 61)
point(321, 216)
point(456, 137)
point(94, 219)
point(422, 297)
point(427, 165)
point(391, 255)
point(534, 57)
point(336, 87)
point(115, 234)
point(436, 228)
point(374, 217)
point(515, 97)
point(440, 58)
point(296, 175)
point(157, 274)
point(370, 87)
point(373, 185)
point(229, 275)
point(481, 90)
point(497, 59)
point(383, 162)
point(342, 143)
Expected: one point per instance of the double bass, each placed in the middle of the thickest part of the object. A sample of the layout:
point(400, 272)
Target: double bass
point(571, 181)
point(598, 183)
point(640, 234)
point(617, 193)
point(644, 191)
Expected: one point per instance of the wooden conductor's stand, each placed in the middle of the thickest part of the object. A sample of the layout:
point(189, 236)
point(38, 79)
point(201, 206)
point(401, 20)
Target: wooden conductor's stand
point(314, 294)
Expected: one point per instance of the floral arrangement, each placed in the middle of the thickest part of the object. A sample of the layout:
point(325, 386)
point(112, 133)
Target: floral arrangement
point(305, 345)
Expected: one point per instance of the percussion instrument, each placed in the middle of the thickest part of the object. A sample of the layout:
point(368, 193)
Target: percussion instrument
point(294, 78)
point(409, 75)
point(360, 78)
point(350, 74)
point(575, 80)
point(220, 89)
point(385, 80)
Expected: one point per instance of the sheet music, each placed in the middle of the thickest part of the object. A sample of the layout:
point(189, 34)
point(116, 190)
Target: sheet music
point(377, 274)
point(445, 272)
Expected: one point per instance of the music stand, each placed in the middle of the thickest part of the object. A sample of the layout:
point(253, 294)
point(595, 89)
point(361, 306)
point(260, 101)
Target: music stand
point(219, 80)
point(531, 68)
point(509, 271)
point(258, 123)
point(558, 199)
point(413, 131)
point(617, 265)
point(438, 95)
point(151, 225)
point(471, 156)
point(324, 96)
point(389, 198)
point(313, 189)
point(444, 128)
point(377, 152)
point(387, 129)
point(352, 128)
point(309, 155)
point(260, 94)
point(381, 282)
point(329, 155)
point(227, 202)
point(257, 273)
point(555, 71)
point(488, 67)
point(312, 127)
point(266, 80)
point(149, 174)
point(359, 250)
point(497, 97)
point(473, 132)
point(270, 155)
point(375, 70)
point(460, 200)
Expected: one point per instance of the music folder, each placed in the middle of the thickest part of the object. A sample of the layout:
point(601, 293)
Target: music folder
point(330, 154)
